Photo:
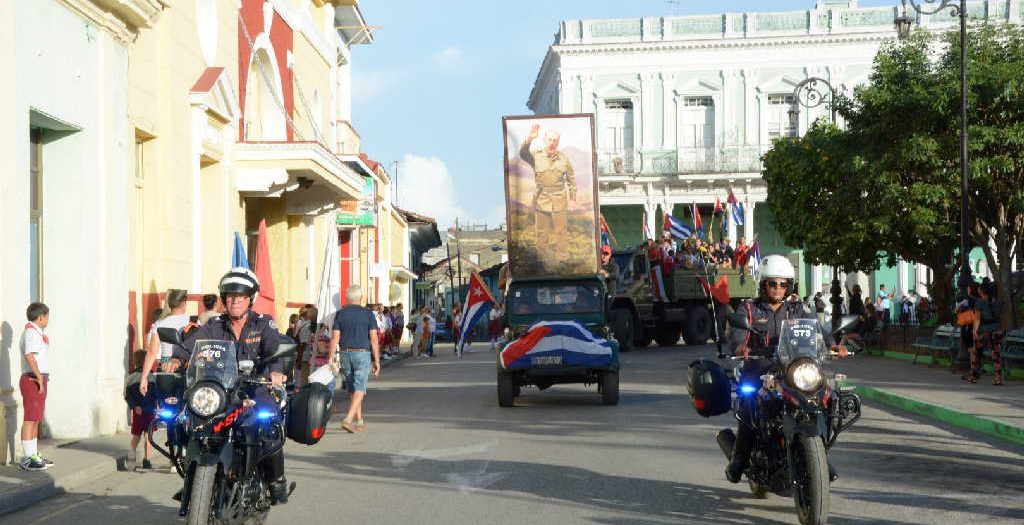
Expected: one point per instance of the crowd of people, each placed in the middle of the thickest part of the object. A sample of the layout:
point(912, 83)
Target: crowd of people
point(696, 253)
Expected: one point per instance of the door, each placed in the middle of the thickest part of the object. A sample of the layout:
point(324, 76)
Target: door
point(697, 134)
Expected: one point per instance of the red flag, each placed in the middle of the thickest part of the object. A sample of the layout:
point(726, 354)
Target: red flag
point(698, 224)
point(265, 299)
point(720, 290)
point(718, 207)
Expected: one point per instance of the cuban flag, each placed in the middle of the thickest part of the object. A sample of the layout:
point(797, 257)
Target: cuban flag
point(676, 227)
point(737, 208)
point(558, 342)
point(478, 302)
point(606, 233)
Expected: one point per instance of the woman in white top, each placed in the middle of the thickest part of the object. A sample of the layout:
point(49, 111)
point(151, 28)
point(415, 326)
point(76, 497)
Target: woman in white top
point(174, 317)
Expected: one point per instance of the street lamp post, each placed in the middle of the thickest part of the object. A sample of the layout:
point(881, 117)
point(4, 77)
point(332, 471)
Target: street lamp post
point(903, 25)
point(810, 93)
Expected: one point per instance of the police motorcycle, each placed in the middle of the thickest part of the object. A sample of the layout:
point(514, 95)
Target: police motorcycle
point(797, 413)
point(220, 428)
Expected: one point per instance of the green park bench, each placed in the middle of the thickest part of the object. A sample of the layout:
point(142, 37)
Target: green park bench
point(943, 342)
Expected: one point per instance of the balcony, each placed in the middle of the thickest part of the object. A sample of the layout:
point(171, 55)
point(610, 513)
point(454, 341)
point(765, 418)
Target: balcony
point(268, 169)
point(682, 161)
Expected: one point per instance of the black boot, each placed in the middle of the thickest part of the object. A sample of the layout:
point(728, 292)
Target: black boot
point(739, 460)
point(279, 491)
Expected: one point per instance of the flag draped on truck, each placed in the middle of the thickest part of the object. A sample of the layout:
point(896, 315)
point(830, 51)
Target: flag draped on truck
point(557, 342)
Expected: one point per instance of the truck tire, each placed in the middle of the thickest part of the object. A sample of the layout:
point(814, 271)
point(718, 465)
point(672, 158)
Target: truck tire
point(506, 390)
point(698, 326)
point(621, 322)
point(667, 335)
point(610, 388)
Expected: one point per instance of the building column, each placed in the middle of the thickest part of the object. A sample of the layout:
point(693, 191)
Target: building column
point(651, 210)
point(902, 284)
point(748, 221)
point(815, 279)
point(923, 279)
point(669, 112)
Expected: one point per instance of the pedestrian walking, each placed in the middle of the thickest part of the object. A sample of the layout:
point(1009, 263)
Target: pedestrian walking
point(397, 327)
point(34, 383)
point(143, 408)
point(174, 317)
point(355, 335)
point(494, 326)
point(212, 306)
point(415, 330)
point(988, 333)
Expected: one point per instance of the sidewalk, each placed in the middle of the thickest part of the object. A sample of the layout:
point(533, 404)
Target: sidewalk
point(936, 393)
point(76, 463)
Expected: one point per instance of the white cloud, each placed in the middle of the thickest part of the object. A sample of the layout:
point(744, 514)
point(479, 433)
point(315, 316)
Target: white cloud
point(449, 57)
point(427, 188)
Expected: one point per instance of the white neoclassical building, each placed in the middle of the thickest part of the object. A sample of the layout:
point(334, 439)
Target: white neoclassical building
point(686, 105)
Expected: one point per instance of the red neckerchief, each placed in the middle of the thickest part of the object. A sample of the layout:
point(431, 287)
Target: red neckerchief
point(36, 328)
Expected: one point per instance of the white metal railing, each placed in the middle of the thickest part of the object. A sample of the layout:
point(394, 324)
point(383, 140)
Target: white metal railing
point(726, 159)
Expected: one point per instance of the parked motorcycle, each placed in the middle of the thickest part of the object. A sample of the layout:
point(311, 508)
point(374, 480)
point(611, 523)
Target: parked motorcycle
point(797, 412)
point(217, 433)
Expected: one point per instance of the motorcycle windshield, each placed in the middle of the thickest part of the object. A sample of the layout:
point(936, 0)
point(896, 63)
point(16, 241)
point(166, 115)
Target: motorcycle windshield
point(213, 360)
point(800, 338)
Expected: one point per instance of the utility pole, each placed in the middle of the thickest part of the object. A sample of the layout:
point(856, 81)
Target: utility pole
point(451, 277)
point(458, 251)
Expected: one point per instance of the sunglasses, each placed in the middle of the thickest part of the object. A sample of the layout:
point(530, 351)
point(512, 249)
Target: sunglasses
point(778, 284)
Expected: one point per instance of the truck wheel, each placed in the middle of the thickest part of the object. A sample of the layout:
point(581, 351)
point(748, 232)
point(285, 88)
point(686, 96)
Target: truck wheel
point(506, 390)
point(621, 321)
point(667, 335)
point(698, 325)
point(610, 388)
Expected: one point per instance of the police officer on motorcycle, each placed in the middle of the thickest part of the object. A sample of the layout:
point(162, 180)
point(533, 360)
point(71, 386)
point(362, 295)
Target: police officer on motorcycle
point(256, 338)
point(765, 315)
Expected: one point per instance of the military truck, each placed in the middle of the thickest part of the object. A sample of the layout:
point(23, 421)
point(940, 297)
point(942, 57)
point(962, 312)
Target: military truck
point(637, 319)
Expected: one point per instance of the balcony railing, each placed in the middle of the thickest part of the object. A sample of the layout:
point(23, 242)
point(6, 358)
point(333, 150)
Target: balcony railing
point(726, 159)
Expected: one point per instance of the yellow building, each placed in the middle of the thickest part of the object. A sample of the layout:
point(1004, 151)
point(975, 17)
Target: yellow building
point(240, 113)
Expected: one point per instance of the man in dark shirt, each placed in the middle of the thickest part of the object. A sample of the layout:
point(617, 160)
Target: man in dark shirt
point(355, 334)
point(609, 269)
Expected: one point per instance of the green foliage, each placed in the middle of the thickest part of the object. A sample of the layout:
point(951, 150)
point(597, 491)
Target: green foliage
point(889, 182)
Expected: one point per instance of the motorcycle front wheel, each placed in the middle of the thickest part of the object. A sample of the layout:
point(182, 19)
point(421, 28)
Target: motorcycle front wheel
point(810, 480)
point(200, 503)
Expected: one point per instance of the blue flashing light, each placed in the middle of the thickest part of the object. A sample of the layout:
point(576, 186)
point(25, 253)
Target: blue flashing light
point(264, 415)
point(166, 413)
point(746, 389)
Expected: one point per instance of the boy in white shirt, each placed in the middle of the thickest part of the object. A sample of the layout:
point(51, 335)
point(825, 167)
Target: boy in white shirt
point(34, 383)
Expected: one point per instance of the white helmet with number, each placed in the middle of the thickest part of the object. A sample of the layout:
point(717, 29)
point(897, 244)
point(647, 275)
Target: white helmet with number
point(775, 267)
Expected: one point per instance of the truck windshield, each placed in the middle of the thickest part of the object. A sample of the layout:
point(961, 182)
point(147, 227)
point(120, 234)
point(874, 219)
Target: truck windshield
point(555, 299)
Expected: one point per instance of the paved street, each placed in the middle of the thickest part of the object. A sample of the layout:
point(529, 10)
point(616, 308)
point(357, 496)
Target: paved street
point(439, 451)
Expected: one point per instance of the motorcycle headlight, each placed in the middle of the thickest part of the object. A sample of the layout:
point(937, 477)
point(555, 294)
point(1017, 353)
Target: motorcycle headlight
point(205, 401)
point(805, 375)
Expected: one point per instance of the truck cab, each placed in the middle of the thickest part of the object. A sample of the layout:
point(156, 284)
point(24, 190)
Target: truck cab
point(558, 333)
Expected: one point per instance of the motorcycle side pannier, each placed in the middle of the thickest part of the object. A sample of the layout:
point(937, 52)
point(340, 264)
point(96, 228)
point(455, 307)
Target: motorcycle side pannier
point(308, 412)
point(708, 386)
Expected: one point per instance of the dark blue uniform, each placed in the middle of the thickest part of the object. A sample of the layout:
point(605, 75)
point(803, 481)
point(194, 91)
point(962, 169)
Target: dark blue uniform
point(259, 339)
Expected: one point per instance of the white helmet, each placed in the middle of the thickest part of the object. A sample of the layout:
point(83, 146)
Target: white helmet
point(775, 267)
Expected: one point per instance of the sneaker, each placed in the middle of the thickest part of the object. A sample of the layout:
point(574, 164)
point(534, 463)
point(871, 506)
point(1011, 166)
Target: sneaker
point(46, 461)
point(33, 463)
point(146, 465)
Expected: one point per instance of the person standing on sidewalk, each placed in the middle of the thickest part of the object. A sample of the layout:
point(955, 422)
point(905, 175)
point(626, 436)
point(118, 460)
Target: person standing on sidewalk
point(355, 335)
point(988, 333)
point(34, 384)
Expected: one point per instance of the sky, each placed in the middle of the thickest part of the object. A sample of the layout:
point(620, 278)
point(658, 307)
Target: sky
point(430, 92)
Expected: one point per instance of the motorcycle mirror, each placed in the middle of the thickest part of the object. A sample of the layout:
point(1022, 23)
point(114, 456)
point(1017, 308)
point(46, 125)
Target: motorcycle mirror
point(169, 335)
point(846, 322)
point(246, 366)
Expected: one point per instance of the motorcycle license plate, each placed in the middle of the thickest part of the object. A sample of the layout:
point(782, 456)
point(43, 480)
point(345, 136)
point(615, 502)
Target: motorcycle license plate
point(546, 360)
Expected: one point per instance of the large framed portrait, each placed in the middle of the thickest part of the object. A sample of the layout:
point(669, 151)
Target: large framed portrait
point(551, 195)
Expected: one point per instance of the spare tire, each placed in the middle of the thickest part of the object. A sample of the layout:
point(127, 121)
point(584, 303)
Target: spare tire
point(621, 323)
point(698, 325)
